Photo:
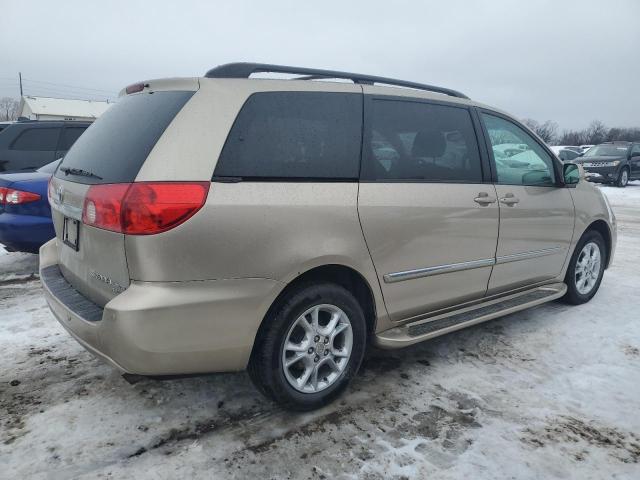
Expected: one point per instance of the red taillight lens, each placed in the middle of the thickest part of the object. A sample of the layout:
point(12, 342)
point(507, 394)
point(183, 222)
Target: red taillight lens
point(143, 208)
point(11, 196)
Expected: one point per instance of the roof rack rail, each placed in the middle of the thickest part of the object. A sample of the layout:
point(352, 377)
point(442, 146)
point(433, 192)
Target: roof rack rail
point(244, 70)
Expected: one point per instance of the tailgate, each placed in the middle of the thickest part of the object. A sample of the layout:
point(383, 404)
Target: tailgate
point(92, 260)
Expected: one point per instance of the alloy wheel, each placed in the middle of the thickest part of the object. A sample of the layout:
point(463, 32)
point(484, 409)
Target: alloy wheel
point(317, 348)
point(587, 268)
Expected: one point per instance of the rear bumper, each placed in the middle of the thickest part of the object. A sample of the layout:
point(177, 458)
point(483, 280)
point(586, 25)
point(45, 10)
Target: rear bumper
point(163, 328)
point(25, 233)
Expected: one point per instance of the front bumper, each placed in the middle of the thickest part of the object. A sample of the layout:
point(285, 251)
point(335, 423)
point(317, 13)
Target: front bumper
point(25, 233)
point(163, 328)
point(602, 174)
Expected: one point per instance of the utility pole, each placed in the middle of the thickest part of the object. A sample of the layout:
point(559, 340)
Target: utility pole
point(20, 77)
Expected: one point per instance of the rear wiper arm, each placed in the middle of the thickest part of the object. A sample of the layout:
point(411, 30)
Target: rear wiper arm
point(79, 171)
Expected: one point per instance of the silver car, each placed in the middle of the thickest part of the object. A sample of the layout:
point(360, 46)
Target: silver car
point(228, 223)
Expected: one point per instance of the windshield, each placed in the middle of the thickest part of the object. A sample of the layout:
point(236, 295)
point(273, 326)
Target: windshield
point(607, 151)
point(50, 167)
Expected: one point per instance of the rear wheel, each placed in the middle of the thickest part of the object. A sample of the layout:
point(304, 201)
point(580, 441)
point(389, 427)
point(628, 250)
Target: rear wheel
point(310, 348)
point(586, 268)
point(623, 178)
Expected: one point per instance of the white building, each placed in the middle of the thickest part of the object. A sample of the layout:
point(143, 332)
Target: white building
point(44, 108)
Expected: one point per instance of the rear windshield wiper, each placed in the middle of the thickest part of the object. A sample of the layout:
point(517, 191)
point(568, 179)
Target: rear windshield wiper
point(79, 171)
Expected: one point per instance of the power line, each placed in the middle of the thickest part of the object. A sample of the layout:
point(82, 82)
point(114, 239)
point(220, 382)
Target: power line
point(69, 86)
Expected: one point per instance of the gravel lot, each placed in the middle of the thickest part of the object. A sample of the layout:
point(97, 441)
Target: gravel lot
point(549, 392)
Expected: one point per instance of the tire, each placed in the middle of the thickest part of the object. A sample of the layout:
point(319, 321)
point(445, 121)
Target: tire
point(291, 322)
point(578, 292)
point(623, 178)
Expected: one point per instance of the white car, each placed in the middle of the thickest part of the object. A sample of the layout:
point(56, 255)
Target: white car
point(566, 153)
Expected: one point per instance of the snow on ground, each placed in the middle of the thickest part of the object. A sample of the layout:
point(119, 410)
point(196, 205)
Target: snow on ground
point(551, 392)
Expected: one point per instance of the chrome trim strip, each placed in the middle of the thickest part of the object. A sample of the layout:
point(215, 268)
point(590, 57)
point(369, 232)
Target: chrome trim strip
point(457, 267)
point(437, 270)
point(527, 255)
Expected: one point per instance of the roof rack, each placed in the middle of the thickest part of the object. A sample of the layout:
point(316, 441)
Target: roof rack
point(244, 70)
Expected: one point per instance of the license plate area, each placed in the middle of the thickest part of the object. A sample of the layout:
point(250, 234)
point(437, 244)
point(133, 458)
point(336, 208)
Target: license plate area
point(71, 233)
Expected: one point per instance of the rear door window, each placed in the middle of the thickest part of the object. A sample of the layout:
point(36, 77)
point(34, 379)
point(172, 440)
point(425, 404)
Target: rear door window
point(37, 140)
point(418, 141)
point(295, 135)
point(117, 144)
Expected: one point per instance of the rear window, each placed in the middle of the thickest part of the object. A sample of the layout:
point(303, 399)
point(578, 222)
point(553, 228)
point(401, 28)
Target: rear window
point(69, 137)
point(295, 135)
point(117, 144)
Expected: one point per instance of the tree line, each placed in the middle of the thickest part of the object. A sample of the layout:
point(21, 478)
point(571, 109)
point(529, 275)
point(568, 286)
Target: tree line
point(597, 132)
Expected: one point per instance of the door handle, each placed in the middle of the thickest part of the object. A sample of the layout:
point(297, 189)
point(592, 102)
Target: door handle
point(509, 199)
point(483, 198)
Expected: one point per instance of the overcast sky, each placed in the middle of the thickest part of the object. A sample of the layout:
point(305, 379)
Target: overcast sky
point(569, 61)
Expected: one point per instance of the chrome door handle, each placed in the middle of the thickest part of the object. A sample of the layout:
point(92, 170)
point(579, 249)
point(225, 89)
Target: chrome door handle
point(483, 198)
point(509, 199)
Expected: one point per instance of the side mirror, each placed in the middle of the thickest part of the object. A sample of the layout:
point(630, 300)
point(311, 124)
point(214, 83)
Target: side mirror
point(572, 173)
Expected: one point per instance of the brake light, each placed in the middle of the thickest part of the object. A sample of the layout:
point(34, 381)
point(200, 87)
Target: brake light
point(11, 196)
point(135, 88)
point(143, 208)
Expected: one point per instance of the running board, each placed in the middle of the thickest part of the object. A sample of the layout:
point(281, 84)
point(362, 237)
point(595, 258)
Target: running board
point(421, 330)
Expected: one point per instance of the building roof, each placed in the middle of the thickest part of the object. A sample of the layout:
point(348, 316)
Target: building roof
point(64, 107)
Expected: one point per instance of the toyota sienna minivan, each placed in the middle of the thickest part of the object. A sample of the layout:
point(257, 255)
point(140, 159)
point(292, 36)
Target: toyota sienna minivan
point(280, 226)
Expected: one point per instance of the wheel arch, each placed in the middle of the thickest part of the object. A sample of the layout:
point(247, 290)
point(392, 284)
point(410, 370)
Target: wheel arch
point(342, 275)
point(602, 228)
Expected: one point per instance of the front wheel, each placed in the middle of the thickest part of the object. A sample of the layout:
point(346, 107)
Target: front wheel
point(623, 177)
point(586, 268)
point(310, 347)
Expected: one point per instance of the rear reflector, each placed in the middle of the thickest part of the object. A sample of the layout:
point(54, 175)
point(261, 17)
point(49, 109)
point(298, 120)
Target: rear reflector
point(10, 196)
point(143, 208)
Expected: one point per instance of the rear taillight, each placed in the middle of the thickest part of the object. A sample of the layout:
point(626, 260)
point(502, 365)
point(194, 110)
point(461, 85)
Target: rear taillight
point(11, 196)
point(50, 190)
point(143, 208)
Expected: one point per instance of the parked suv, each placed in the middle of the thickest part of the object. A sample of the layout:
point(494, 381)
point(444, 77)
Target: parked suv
point(612, 162)
point(29, 145)
point(227, 223)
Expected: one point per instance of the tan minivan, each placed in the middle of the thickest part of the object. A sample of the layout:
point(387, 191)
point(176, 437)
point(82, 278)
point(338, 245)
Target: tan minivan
point(227, 223)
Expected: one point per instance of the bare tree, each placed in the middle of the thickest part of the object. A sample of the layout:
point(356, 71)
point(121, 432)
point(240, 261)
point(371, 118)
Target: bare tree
point(596, 132)
point(547, 131)
point(9, 109)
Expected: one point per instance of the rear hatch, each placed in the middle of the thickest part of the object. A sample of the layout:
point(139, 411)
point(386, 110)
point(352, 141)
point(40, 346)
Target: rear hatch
point(107, 157)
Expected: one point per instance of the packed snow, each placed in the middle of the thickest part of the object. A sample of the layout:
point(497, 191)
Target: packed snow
point(551, 392)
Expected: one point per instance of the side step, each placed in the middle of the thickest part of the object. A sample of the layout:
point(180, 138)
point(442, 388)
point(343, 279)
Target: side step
point(421, 330)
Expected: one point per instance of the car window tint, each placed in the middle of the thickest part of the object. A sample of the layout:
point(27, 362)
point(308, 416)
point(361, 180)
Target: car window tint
point(295, 135)
point(420, 141)
point(570, 154)
point(635, 150)
point(118, 143)
point(37, 139)
point(519, 159)
point(69, 137)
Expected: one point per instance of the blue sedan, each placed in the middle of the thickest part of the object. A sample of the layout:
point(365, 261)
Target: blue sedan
point(25, 215)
